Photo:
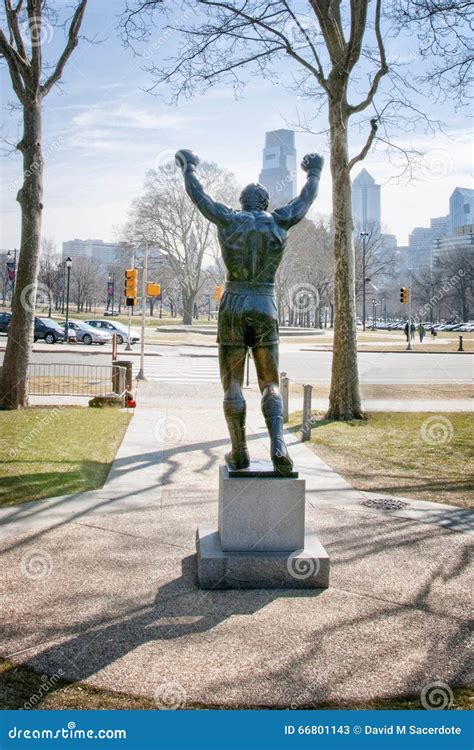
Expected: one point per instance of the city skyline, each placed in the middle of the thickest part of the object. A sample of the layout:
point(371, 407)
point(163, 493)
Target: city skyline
point(103, 131)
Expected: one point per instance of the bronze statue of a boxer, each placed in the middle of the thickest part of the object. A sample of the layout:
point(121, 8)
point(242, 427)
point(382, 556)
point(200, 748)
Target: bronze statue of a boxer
point(252, 243)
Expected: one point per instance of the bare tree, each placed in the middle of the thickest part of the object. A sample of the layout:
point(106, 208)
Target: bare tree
point(165, 217)
point(427, 294)
point(86, 284)
point(333, 49)
point(51, 273)
point(444, 32)
point(22, 28)
point(305, 279)
point(457, 270)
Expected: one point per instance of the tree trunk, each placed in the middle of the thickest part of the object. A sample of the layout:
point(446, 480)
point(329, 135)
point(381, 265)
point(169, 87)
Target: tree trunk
point(14, 392)
point(188, 308)
point(344, 397)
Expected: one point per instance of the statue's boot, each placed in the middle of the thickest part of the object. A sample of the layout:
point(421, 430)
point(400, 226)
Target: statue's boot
point(235, 411)
point(272, 408)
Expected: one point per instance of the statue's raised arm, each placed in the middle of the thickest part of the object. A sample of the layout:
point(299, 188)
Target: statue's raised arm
point(293, 212)
point(216, 212)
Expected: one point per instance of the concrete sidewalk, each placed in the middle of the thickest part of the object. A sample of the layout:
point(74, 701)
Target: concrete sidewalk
point(103, 585)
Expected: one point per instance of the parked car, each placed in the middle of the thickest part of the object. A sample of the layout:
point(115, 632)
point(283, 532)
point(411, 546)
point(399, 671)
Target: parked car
point(115, 327)
point(71, 336)
point(109, 312)
point(465, 328)
point(88, 334)
point(5, 318)
point(49, 330)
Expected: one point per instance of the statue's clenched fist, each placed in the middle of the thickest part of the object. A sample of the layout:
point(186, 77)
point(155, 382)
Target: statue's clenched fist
point(186, 159)
point(312, 164)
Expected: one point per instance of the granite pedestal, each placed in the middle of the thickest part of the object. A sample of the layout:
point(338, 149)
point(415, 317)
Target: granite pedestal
point(260, 540)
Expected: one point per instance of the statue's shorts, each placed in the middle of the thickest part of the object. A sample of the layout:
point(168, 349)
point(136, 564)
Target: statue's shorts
point(248, 315)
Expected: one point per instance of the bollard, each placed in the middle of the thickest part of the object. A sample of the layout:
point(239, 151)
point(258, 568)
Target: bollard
point(460, 349)
point(114, 346)
point(306, 426)
point(284, 390)
point(128, 366)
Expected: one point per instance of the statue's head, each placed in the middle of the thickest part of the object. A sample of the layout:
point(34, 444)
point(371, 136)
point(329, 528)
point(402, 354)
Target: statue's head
point(254, 197)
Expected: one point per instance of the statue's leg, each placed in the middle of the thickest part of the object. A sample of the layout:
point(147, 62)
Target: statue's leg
point(232, 366)
point(266, 363)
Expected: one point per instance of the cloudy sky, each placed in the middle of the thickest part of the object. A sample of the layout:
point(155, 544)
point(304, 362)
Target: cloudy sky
point(103, 131)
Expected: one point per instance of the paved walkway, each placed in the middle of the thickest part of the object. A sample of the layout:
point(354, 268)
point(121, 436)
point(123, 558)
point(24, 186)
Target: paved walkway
point(103, 585)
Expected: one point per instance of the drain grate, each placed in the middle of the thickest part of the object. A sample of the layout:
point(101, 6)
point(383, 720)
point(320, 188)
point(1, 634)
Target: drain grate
point(384, 503)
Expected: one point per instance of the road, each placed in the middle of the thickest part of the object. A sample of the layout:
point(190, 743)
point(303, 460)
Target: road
point(199, 364)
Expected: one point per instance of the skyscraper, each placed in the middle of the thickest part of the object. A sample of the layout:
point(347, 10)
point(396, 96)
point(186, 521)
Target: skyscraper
point(461, 208)
point(366, 201)
point(278, 173)
point(420, 243)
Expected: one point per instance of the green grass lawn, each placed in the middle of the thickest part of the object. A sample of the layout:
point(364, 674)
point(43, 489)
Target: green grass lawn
point(46, 452)
point(419, 456)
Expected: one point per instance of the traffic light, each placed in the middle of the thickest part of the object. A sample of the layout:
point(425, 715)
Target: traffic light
point(131, 286)
point(218, 293)
point(404, 295)
point(153, 290)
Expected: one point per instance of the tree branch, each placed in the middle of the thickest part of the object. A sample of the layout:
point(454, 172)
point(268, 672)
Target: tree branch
point(12, 20)
point(383, 68)
point(73, 38)
point(365, 150)
point(10, 55)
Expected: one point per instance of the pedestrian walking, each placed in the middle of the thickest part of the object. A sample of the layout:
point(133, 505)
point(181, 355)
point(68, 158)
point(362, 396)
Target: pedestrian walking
point(434, 333)
point(421, 332)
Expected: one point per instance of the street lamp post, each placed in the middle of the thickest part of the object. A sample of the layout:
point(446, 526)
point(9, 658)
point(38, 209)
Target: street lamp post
point(68, 264)
point(364, 236)
point(141, 372)
point(11, 267)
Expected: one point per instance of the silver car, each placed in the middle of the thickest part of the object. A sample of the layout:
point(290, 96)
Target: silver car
point(113, 326)
point(89, 335)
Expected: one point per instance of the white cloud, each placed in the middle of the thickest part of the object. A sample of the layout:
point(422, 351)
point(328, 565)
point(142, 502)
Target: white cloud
point(125, 117)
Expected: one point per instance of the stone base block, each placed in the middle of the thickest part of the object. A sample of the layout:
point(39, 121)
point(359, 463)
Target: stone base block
point(263, 514)
point(219, 569)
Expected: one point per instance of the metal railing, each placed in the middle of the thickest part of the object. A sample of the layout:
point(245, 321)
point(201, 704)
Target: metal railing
point(75, 380)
